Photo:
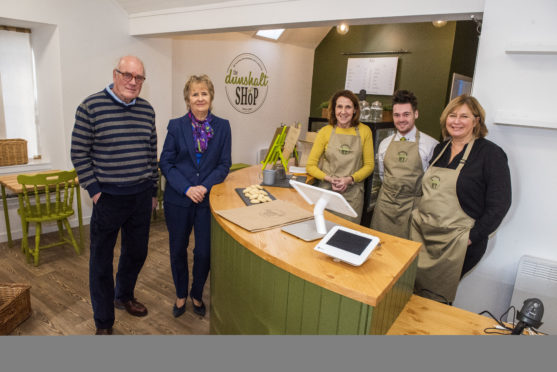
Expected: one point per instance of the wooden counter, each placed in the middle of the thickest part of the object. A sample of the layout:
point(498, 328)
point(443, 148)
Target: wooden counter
point(270, 282)
point(422, 316)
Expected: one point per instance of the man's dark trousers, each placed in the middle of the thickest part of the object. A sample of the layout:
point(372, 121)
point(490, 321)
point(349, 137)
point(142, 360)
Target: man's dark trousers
point(131, 214)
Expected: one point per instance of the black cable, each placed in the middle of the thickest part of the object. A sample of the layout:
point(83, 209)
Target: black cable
point(506, 312)
point(495, 331)
point(499, 321)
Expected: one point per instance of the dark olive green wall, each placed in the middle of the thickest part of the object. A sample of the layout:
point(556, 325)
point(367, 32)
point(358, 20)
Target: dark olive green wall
point(425, 70)
point(465, 51)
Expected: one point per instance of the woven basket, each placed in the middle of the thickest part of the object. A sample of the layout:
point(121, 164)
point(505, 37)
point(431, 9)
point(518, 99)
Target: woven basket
point(15, 305)
point(13, 151)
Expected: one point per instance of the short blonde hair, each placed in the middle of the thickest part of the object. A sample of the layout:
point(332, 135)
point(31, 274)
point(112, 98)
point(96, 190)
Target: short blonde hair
point(197, 79)
point(480, 130)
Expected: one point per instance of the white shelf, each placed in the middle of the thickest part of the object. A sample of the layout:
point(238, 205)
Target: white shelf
point(523, 120)
point(531, 49)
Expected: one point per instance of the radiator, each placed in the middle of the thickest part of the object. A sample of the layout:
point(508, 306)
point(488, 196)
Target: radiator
point(537, 277)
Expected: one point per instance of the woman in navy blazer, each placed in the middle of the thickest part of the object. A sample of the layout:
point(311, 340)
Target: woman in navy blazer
point(195, 156)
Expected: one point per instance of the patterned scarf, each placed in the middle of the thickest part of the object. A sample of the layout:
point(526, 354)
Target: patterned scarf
point(202, 132)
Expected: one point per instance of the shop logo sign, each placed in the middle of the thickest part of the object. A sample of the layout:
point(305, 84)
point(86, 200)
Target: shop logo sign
point(246, 83)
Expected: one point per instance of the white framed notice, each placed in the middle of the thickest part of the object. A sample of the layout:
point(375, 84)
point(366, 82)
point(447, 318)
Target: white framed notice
point(375, 75)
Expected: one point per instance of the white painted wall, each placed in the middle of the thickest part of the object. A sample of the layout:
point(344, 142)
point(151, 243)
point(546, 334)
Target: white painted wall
point(77, 44)
point(525, 84)
point(289, 68)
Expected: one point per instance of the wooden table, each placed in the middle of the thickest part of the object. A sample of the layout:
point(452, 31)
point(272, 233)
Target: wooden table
point(271, 282)
point(422, 316)
point(10, 182)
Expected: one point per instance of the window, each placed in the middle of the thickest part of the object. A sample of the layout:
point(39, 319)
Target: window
point(18, 117)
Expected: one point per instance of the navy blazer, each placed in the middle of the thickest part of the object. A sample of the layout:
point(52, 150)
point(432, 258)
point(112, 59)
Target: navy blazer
point(178, 162)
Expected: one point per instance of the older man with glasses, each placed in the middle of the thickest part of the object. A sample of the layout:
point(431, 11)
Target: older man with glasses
point(114, 151)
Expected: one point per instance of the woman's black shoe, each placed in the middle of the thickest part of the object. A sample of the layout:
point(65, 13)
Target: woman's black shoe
point(199, 310)
point(177, 311)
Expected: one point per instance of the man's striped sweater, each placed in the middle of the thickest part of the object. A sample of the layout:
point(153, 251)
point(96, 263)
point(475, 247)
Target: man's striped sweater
point(114, 146)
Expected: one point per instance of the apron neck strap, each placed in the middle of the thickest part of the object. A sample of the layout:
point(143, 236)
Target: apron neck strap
point(440, 153)
point(465, 156)
point(416, 139)
point(355, 128)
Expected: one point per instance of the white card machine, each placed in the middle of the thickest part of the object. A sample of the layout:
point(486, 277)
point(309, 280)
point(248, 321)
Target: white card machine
point(347, 245)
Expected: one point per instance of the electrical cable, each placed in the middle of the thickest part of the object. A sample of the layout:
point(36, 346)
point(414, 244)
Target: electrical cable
point(490, 330)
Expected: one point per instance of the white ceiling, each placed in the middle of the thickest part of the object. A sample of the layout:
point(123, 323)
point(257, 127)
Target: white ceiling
point(308, 37)
point(140, 6)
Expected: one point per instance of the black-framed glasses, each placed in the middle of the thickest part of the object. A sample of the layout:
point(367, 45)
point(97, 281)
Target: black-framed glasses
point(128, 77)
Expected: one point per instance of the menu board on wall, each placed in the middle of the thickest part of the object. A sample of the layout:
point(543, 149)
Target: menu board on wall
point(375, 75)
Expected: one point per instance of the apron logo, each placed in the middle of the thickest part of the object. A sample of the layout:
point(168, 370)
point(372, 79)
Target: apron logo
point(402, 156)
point(435, 181)
point(344, 149)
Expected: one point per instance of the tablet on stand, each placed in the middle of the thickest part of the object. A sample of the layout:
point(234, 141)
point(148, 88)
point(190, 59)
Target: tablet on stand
point(321, 198)
point(339, 242)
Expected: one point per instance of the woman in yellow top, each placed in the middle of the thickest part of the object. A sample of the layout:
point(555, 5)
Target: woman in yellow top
point(342, 155)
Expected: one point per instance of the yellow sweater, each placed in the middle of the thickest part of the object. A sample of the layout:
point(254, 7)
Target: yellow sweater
point(320, 145)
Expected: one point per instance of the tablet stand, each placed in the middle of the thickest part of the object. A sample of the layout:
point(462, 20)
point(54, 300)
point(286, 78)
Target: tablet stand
point(322, 199)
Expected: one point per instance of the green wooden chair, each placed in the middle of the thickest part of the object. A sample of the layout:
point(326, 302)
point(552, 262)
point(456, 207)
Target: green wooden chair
point(47, 197)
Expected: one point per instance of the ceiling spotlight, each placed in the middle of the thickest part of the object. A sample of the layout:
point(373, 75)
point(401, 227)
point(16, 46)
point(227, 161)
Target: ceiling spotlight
point(342, 28)
point(439, 23)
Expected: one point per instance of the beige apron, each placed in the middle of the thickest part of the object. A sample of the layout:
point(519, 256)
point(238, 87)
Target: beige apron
point(401, 189)
point(443, 228)
point(342, 158)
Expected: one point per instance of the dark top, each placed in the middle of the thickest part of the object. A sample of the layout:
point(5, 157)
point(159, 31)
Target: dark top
point(179, 164)
point(483, 190)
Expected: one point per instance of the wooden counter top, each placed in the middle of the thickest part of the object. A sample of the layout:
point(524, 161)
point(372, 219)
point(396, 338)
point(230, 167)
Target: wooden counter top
point(422, 316)
point(367, 283)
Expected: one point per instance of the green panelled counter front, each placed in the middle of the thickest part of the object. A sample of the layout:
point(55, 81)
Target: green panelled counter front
point(270, 282)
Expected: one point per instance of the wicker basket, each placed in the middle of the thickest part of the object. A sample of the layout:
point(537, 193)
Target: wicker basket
point(13, 151)
point(15, 305)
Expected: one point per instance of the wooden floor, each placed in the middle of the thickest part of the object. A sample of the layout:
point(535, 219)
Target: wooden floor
point(60, 290)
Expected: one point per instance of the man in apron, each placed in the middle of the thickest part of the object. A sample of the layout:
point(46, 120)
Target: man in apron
point(402, 159)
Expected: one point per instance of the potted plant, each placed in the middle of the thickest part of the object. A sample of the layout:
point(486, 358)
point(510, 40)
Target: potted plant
point(387, 113)
point(324, 106)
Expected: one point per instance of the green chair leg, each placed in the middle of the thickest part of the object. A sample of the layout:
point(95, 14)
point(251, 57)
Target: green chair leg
point(60, 230)
point(25, 241)
point(37, 244)
point(70, 233)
